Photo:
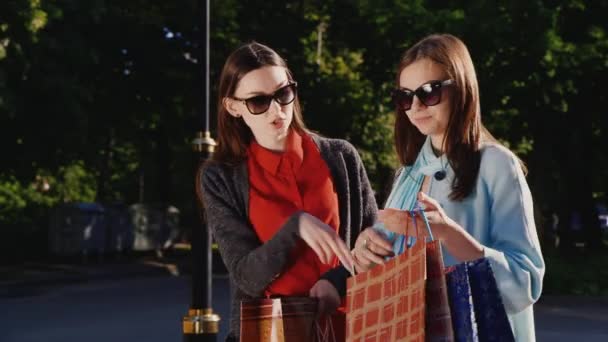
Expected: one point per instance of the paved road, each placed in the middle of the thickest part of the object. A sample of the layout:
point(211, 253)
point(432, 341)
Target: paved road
point(142, 309)
point(567, 319)
point(150, 309)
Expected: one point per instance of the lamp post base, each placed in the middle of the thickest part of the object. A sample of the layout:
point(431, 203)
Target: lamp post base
point(200, 325)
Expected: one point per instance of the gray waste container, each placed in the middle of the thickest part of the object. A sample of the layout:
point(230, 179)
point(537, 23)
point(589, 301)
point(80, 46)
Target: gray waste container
point(120, 230)
point(77, 228)
point(154, 225)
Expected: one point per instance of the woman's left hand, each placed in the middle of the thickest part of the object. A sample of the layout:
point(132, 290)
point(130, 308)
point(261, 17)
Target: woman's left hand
point(438, 219)
point(399, 221)
point(326, 293)
point(458, 242)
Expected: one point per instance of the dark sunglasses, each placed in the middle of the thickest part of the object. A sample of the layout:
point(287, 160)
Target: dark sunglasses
point(428, 93)
point(259, 104)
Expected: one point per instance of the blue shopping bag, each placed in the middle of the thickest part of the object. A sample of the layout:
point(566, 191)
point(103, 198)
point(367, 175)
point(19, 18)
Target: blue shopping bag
point(461, 303)
point(490, 315)
point(478, 313)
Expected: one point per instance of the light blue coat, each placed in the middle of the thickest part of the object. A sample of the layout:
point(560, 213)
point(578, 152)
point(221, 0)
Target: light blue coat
point(498, 213)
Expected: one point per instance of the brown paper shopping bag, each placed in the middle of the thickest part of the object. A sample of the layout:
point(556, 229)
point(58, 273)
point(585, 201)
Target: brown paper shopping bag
point(330, 328)
point(284, 319)
point(438, 323)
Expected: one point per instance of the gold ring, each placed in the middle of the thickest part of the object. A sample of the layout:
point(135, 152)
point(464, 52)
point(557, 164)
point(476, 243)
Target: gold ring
point(365, 243)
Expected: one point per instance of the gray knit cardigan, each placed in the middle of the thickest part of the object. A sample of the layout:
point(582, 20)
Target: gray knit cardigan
point(253, 265)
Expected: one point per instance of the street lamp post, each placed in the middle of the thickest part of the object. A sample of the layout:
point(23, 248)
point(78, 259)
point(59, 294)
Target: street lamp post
point(201, 323)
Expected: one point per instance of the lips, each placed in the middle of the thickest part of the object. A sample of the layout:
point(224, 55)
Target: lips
point(278, 123)
point(422, 118)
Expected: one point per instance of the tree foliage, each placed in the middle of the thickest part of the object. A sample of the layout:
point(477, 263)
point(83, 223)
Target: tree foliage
point(113, 88)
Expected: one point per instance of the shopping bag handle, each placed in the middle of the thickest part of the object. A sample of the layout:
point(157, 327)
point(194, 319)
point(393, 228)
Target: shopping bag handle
point(420, 211)
point(409, 240)
point(328, 334)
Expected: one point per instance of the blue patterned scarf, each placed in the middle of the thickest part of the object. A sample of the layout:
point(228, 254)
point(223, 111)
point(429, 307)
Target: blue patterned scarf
point(406, 187)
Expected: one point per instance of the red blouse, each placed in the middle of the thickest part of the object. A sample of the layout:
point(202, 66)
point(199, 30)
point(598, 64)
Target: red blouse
point(281, 184)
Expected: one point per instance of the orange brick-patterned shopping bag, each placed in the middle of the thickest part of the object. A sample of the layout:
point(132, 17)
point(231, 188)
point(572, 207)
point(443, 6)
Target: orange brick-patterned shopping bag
point(387, 303)
point(438, 321)
point(287, 319)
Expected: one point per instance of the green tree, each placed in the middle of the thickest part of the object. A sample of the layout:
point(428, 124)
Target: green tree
point(113, 89)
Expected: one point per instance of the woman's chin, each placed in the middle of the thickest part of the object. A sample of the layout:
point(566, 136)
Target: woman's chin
point(424, 130)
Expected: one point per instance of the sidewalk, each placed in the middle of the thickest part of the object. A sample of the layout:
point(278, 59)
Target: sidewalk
point(173, 262)
point(17, 280)
point(25, 278)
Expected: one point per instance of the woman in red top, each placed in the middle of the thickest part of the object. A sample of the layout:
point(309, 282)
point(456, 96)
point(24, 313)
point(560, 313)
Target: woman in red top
point(285, 205)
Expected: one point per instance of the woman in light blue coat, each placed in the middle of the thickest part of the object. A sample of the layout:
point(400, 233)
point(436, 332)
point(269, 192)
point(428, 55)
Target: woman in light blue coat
point(473, 189)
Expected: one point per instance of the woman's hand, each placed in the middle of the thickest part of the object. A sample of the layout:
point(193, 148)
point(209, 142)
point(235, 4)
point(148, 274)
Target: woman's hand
point(436, 216)
point(324, 241)
point(459, 243)
point(370, 249)
point(401, 221)
point(395, 220)
point(326, 293)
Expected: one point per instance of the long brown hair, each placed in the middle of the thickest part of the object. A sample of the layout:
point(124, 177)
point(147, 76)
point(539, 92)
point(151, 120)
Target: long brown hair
point(233, 134)
point(465, 132)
